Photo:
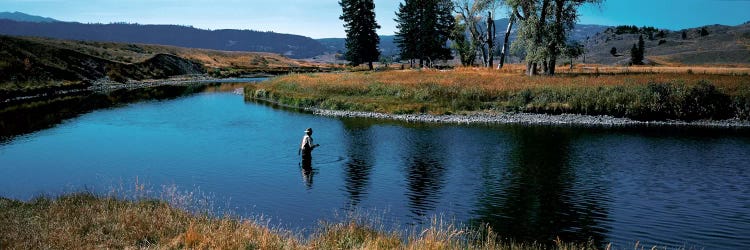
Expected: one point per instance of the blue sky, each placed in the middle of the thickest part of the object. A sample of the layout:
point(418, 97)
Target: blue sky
point(319, 18)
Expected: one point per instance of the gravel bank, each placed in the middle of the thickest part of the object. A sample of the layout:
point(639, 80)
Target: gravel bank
point(104, 85)
point(531, 119)
point(525, 118)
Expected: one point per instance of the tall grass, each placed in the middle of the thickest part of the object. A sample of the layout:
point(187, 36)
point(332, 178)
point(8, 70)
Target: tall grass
point(637, 96)
point(87, 221)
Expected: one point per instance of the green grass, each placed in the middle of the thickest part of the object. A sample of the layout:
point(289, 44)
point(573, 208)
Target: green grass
point(641, 97)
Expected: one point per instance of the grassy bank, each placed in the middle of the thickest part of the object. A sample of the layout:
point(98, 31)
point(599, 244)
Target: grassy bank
point(85, 221)
point(637, 96)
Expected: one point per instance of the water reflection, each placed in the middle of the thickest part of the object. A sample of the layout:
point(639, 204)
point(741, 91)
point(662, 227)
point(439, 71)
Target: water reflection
point(358, 168)
point(425, 168)
point(535, 199)
point(307, 172)
point(28, 117)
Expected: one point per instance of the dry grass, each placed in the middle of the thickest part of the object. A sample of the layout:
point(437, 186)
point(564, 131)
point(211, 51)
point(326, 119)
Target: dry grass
point(85, 221)
point(493, 80)
point(638, 96)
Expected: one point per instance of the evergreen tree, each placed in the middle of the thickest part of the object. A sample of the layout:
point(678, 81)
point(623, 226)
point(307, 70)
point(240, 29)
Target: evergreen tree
point(637, 52)
point(641, 49)
point(424, 27)
point(442, 30)
point(407, 35)
point(361, 39)
point(634, 55)
point(704, 31)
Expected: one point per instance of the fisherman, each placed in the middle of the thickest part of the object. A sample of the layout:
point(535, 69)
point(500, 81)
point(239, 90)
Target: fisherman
point(307, 146)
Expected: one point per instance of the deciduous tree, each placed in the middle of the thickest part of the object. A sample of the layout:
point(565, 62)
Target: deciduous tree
point(543, 28)
point(480, 27)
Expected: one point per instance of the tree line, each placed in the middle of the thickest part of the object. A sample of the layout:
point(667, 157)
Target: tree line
point(431, 30)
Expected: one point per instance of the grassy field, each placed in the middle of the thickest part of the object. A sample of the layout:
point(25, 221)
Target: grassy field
point(86, 221)
point(641, 96)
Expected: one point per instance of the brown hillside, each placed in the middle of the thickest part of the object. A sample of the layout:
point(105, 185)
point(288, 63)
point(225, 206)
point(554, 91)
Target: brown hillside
point(31, 63)
point(132, 53)
point(724, 45)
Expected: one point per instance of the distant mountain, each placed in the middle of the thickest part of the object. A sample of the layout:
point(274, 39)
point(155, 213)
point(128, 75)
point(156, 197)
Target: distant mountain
point(579, 33)
point(389, 48)
point(720, 45)
point(338, 45)
point(23, 17)
point(293, 46)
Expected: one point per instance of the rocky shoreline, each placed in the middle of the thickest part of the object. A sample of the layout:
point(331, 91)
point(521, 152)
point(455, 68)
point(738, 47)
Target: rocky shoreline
point(573, 120)
point(531, 119)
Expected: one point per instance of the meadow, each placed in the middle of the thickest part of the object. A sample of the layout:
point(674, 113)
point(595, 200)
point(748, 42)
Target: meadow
point(639, 95)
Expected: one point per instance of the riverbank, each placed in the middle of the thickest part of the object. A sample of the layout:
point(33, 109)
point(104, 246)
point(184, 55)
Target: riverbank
point(106, 86)
point(533, 119)
point(88, 221)
point(480, 96)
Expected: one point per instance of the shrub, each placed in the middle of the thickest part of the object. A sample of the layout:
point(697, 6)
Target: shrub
point(703, 101)
point(741, 104)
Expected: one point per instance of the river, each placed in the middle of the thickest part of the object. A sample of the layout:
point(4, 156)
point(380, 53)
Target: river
point(663, 186)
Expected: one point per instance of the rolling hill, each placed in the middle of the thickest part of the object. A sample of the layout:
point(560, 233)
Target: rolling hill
point(293, 46)
point(722, 45)
point(23, 17)
point(30, 64)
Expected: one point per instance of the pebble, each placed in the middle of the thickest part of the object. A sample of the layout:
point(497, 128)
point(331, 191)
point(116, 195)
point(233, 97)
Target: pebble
point(531, 119)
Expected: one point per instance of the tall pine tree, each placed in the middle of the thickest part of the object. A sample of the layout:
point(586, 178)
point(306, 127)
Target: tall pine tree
point(637, 52)
point(361, 39)
point(407, 35)
point(424, 27)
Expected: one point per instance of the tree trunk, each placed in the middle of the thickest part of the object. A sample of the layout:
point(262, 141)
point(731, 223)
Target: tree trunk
point(560, 34)
point(505, 42)
point(551, 67)
point(531, 68)
point(571, 63)
point(369, 64)
point(484, 56)
point(539, 30)
point(490, 39)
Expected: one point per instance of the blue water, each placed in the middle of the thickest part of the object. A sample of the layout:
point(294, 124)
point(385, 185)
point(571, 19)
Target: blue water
point(660, 186)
